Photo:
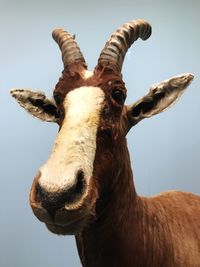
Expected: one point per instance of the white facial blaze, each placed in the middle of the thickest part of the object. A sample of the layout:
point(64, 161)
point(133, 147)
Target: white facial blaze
point(75, 145)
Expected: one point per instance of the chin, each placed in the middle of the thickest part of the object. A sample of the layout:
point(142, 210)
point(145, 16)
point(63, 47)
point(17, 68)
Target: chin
point(73, 228)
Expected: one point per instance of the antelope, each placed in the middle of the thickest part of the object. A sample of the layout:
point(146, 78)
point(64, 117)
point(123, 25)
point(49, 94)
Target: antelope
point(86, 186)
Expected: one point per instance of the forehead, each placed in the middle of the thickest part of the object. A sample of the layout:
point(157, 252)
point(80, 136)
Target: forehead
point(89, 99)
point(72, 79)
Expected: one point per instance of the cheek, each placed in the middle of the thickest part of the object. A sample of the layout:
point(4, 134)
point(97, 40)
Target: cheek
point(109, 156)
point(104, 163)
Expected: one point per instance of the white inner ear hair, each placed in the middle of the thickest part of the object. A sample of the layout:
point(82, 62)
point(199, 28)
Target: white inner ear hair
point(24, 96)
point(172, 89)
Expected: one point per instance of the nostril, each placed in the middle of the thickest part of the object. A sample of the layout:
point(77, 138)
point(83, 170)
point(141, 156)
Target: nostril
point(53, 201)
point(75, 192)
point(80, 182)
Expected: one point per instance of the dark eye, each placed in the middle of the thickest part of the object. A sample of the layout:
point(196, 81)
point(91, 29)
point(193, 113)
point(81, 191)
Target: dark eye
point(57, 98)
point(118, 96)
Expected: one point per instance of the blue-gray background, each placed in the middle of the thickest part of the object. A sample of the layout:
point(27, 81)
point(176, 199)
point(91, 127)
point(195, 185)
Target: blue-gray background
point(165, 150)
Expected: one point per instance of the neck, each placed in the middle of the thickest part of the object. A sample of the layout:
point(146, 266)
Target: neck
point(118, 235)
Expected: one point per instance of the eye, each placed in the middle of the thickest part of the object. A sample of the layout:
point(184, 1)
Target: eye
point(57, 98)
point(118, 96)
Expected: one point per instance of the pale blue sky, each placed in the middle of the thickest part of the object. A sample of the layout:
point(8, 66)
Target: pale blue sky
point(165, 150)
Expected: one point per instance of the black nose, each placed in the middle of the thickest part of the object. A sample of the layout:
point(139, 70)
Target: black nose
point(57, 200)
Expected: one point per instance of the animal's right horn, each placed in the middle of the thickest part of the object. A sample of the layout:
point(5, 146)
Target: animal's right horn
point(116, 47)
point(71, 53)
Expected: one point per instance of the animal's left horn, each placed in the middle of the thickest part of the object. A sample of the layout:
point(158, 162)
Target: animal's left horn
point(116, 47)
point(71, 52)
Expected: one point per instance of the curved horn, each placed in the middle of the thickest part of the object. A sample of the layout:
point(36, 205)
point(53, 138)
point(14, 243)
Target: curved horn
point(116, 47)
point(71, 53)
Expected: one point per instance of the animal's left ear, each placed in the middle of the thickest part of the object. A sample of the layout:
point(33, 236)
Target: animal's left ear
point(160, 97)
point(37, 104)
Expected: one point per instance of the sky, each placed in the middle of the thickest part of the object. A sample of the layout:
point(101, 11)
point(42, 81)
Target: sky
point(165, 150)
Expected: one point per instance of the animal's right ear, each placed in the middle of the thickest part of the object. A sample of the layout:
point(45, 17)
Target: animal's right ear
point(37, 104)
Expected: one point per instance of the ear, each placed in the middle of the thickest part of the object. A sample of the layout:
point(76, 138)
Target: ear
point(37, 104)
point(160, 97)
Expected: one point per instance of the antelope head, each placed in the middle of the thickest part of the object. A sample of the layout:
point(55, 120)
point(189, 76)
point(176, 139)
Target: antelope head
point(90, 149)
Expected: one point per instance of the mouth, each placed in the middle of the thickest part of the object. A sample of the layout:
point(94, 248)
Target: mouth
point(71, 228)
point(62, 222)
point(67, 220)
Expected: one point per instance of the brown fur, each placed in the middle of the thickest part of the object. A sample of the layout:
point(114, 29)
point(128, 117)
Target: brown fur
point(129, 230)
point(115, 226)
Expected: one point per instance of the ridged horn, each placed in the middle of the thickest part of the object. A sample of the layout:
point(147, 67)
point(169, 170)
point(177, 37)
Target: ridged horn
point(116, 47)
point(71, 53)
